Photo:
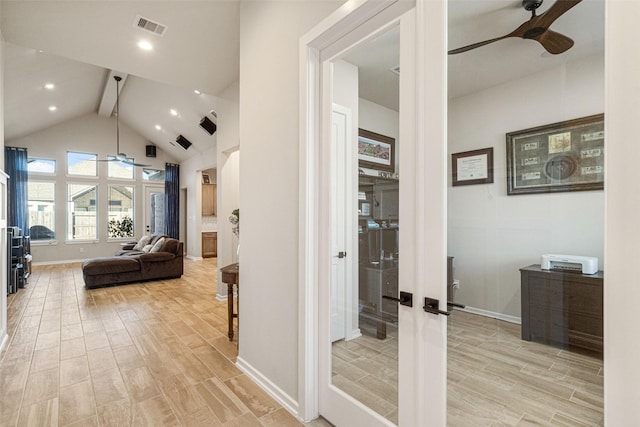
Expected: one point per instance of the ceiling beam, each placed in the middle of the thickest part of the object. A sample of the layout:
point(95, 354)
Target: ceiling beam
point(108, 102)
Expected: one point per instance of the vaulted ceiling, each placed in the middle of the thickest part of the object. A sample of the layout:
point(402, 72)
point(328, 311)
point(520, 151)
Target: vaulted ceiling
point(78, 45)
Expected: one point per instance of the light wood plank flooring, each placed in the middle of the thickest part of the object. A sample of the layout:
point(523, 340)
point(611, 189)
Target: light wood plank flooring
point(494, 378)
point(147, 354)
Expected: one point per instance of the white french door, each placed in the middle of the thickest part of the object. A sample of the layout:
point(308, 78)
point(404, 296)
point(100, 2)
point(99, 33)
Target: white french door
point(395, 373)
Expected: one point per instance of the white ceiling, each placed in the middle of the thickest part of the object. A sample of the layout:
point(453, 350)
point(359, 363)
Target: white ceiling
point(54, 41)
point(472, 21)
point(200, 50)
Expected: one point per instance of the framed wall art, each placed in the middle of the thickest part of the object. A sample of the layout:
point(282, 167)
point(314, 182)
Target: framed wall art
point(472, 167)
point(564, 156)
point(376, 151)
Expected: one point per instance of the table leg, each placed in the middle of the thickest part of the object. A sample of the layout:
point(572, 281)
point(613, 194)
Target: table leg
point(230, 309)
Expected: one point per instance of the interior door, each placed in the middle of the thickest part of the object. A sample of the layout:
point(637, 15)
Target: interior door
point(379, 375)
point(154, 210)
point(341, 141)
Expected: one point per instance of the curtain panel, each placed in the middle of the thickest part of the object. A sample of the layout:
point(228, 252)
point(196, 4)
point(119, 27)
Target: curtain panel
point(15, 165)
point(172, 198)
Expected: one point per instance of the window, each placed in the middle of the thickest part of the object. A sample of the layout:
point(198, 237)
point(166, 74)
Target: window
point(120, 212)
point(43, 166)
point(42, 209)
point(84, 164)
point(81, 212)
point(152, 174)
point(119, 169)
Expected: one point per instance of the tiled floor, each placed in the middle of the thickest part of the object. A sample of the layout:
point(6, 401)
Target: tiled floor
point(148, 354)
point(494, 378)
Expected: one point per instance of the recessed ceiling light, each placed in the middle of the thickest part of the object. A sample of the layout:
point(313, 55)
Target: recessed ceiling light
point(173, 112)
point(145, 45)
point(49, 86)
point(197, 92)
point(53, 108)
point(158, 127)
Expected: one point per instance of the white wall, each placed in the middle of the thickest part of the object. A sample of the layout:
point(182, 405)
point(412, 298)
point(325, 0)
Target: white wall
point(191, 183)
point(228, 177)
point(269, 108)
point(94, 134)
point(492, 235)
point(376, 118)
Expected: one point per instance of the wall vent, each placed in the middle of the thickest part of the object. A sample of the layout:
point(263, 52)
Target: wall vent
point(149, 25)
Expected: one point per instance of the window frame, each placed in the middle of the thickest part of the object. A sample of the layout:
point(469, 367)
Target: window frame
point(68, 236)
point(133, 211)
point(69, 174)
point(54, 209)
point(40, 173)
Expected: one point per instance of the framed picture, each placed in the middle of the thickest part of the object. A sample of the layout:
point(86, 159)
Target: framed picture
point(206, 179)
point(472, 167)
point(375, 151)
point(564, 156)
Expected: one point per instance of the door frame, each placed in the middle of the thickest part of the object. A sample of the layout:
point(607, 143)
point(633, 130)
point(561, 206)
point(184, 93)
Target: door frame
point(427, 354)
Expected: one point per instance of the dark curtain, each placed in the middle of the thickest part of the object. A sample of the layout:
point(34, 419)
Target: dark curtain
point(15, 165)
point(172, 199)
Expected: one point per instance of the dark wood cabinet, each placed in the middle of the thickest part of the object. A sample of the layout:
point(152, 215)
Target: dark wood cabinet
point(564, 309)
point(209, 244)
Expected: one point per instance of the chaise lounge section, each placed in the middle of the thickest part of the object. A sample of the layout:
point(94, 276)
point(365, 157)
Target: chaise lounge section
point(135, 266)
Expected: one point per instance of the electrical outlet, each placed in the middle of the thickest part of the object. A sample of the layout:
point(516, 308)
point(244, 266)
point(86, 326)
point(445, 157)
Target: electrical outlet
point(456, 284)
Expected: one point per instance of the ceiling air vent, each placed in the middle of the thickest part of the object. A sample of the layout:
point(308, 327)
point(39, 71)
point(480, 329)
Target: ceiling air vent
point(149, 25)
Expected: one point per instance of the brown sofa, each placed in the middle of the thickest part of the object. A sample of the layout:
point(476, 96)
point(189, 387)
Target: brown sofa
point(135, 266)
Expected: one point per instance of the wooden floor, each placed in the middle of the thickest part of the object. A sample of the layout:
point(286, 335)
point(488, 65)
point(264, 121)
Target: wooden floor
point(148, 354)
point(494, 378)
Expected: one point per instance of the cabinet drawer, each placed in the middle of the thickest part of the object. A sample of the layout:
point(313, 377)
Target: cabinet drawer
point(563, 295)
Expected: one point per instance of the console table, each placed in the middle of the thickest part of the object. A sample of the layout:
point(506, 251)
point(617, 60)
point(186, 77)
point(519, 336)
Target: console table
point(562, 308)
point(231, 276)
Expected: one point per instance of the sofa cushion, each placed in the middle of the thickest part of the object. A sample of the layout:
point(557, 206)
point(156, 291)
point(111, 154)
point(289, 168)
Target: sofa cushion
point(157, 245)
point(144, 240)
point(110, 265)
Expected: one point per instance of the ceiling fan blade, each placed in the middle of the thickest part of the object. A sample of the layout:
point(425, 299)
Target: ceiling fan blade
point(554, 12)
point(137, 164)
point(475, 45)
point(553, 42)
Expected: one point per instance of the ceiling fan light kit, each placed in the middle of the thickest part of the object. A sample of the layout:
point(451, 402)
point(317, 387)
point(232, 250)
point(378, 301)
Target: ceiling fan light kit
point(536, 28)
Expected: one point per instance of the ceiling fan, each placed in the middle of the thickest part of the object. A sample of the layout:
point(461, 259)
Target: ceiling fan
point(120, 157)
point(536, 28)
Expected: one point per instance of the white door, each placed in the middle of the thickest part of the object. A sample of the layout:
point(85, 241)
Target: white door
point(154, 210)
point(395, 373)
point(340, 125)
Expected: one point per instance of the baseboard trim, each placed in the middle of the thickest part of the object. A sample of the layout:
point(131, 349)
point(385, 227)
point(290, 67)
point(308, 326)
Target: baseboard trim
point(273, 390)
point(194, 258)
point(492, 314)
point(221, 298)
point(67, 261)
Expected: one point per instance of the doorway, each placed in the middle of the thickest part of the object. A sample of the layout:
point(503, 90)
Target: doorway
point(418, 335)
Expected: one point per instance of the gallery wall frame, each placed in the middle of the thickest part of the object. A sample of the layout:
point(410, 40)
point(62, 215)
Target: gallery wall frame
point(472, 167)
point(563, 156)
point(376, 151)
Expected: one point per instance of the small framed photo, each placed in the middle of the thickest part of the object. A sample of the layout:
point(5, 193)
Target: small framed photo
point(472, 167)
point(564, 156)
point(206, 179)
point(376, 151)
